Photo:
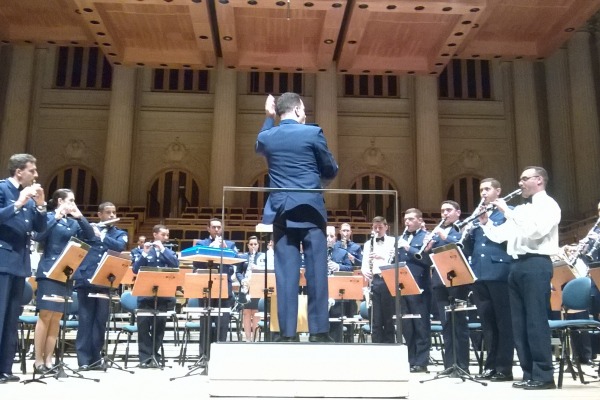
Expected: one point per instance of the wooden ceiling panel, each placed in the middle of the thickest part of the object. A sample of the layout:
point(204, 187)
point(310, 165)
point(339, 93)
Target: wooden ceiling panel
point(288, 37)
point(48, 21)
point(374, 37)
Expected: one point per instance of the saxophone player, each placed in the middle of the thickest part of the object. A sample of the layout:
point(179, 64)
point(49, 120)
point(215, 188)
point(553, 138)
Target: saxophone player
point(416, 331)
point(338, 259)
point(377, 252)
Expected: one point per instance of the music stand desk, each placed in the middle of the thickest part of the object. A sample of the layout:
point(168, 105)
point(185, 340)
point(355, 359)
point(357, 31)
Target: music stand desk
point(196, 285)
point(406, 280)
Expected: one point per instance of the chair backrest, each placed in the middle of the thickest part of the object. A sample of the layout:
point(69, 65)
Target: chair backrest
point(73, 306)
point(193, 302)
point(128, 302)
point(576, 294)
point(364, 310)
point(27, 294)
point(261, 304)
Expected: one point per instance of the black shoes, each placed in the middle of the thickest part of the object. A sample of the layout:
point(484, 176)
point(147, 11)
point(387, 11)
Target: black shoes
point(9, 378)
point(500, 377)
point(538, 385)
point(534, 385)
point(418, 368)
point(84, 368)
point(287, 339)
point(487, 374)
point(320, 338)
point(40, 369)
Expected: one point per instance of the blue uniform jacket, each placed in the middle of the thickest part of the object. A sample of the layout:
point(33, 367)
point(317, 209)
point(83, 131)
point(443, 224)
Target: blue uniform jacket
point(115, 240)
point(353, 248)
point(489, 259)
point(57, 235)
point(340, 256)
point(15, 230)
point(298, 157)
point(225, 268)
point(166, 259)
point(421, 269)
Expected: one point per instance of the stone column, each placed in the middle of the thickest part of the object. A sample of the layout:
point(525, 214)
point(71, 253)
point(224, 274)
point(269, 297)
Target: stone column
point(584, 111)
point(222, 156)
point(326, 115)
point(527, 126)
point(117, 161)
point(428, 148)
point(17, 105)
point(562, 177)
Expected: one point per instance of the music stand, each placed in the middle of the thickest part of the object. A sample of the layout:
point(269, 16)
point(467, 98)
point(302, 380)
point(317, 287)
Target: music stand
point(156, 282)
point(454, 270)
point(594, 273)
point(200, 285)
point(407, 285)
point(62, 270)
point(110, 272)
point(344, 287)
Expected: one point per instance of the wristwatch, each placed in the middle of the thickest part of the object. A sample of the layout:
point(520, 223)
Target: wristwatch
point(42, 208)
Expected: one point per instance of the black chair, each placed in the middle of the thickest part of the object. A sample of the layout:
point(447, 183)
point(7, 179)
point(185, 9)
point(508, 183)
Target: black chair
point(28, 322)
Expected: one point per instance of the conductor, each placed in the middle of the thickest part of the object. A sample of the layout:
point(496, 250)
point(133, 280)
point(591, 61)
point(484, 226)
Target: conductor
point(298, 157)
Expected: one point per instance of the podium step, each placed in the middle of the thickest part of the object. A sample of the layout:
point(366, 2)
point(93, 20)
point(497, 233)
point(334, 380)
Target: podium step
point(308, 370)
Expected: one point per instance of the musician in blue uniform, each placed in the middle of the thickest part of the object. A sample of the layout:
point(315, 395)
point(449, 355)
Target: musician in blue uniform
point(215, 239)
point(243, 273)
point(154, 254)
point(416, 331)
point(22, 210)
point(93, 311)
point(136, 252)
point(443, 235)
point(64, 222)
point(298, 157)
point(354, 249)
point(338, 259)
point(491, 265)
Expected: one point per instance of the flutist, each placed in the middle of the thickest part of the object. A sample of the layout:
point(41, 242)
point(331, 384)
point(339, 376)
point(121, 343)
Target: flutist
point(531, 235)
point(375, 255)
point(94, 311)
point(22, 210)
point(491, 265)
point(443, 235)
point(416, 331)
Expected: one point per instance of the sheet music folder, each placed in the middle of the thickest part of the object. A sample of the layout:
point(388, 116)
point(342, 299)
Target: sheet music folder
point(406, 280)
point(450, 259)
point(112, 263)
point(71, 256)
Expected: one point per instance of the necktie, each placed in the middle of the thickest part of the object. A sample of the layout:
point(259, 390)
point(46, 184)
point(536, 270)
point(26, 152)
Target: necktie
point(380, 239)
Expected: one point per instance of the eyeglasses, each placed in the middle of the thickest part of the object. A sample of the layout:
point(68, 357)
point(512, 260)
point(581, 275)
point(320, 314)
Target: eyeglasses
point(526, 178)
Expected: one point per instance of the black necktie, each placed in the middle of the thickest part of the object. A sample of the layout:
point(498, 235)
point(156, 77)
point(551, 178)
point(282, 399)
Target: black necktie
point(20, 187)
point(380, 239)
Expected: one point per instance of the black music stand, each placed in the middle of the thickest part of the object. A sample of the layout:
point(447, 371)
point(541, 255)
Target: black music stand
point(110, 272)
point(62, 270)
point(454, 270)
point(344, 286)
point(266, 231)
point(156, 282)
point(200, 285)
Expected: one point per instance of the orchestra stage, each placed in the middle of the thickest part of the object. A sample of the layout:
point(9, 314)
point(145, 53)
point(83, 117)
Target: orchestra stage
point(156, 384)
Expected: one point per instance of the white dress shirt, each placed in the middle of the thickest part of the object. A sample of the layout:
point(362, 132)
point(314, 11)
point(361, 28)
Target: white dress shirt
point(384, 249)
point(529, 228)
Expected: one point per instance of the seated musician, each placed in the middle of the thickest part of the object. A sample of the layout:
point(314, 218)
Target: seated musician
point(338, 259)
point(154, 254)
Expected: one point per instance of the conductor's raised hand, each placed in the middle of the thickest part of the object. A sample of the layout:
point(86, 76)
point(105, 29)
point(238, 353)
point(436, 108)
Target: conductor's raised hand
point(270, 106)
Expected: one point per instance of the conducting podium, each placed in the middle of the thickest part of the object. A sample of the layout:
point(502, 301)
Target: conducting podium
point(153, 283)
point(454, 271)
point(110, 272)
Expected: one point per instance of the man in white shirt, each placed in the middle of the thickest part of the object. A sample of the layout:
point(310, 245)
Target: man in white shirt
point(531, 235)
point(377, 252)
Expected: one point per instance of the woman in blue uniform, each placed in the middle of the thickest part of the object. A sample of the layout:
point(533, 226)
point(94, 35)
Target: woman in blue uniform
point(64, 222)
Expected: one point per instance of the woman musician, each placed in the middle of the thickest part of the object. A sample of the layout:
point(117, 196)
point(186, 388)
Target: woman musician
point(243, 274)
point(64, 222)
